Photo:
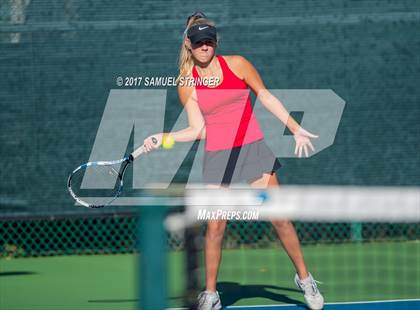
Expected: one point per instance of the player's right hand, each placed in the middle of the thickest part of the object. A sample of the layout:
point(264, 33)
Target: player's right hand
point(152, 142)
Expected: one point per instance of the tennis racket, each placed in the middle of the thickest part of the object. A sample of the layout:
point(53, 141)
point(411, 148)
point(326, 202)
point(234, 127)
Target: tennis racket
point(106, 172)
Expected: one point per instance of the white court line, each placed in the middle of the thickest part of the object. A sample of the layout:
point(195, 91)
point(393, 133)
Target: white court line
point(329, 303)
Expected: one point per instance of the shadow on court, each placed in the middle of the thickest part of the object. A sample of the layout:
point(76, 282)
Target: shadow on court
point(112, 301)
point(231, 292)
point(116, 301)
point(16, 273)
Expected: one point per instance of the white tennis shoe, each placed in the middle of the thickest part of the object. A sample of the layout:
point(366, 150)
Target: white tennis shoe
point(313, 297)
point(209, 301)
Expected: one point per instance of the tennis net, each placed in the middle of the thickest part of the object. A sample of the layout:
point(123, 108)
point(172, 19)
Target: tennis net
point(362, 243)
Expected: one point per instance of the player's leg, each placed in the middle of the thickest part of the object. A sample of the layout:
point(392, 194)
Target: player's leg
point(288, 237)
point(285, 229)
point(213, 251)
point(209, 299)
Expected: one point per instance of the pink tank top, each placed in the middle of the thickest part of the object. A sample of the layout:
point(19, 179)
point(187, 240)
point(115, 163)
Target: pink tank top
point(227, 111)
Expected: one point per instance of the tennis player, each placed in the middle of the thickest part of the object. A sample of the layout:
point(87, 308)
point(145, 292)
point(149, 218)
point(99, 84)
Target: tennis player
point(235, 150)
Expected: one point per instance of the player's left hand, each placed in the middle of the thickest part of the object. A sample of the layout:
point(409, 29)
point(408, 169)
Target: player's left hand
point(301, 137)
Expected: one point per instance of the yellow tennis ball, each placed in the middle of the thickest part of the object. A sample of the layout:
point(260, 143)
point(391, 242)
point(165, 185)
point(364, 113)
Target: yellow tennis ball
point(168, 142)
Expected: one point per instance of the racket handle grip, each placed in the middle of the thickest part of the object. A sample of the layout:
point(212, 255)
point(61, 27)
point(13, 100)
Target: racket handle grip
point(137, 152)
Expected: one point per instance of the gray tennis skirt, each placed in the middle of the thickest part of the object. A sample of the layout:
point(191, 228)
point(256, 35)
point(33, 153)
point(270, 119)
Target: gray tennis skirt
point(240, 164)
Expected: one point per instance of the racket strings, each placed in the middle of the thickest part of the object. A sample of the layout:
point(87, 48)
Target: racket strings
point(97, 184)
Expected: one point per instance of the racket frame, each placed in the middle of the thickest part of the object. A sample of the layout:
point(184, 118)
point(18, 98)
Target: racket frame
point(124, 161)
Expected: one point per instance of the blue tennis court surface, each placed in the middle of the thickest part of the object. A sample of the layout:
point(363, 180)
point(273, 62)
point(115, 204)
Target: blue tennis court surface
point(413, 304)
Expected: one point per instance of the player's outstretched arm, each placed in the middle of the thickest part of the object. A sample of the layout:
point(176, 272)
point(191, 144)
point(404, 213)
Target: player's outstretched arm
point(251, 76)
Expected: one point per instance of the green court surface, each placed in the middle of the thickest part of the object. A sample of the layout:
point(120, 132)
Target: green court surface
point(349, 272)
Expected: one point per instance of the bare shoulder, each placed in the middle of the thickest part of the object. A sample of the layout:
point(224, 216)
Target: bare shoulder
point(238, 64)
point(185, 93)
point(235, 59)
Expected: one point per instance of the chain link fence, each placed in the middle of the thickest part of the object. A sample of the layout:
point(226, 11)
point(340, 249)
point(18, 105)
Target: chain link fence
point(118, 234)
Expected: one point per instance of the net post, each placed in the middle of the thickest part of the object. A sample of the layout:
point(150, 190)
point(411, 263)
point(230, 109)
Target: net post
point(192, 267)
point(356, 231)
point(152, 290)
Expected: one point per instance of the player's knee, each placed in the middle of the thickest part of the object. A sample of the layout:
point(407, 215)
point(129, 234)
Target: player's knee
point(281, 224)
point(215, 230)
